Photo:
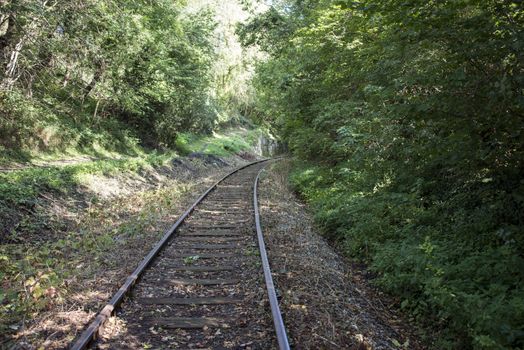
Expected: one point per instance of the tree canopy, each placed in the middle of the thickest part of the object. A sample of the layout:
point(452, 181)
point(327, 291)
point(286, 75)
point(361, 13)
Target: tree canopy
point(139, 69)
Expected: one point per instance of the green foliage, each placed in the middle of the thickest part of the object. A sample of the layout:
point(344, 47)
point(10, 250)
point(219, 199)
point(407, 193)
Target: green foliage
point(408, 121)
point(225, 143)
point(444, 262)
point(189, 260)
point(78, 74)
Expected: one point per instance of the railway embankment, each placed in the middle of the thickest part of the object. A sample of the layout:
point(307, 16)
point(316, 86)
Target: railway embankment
point(68, 231)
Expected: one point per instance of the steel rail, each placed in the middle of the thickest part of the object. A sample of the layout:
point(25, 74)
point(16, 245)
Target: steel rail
point(280, 328)
point(92, 330)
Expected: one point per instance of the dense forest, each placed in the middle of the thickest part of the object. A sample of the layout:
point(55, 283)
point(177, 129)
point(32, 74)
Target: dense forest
point(404, 119)
point(407, 122)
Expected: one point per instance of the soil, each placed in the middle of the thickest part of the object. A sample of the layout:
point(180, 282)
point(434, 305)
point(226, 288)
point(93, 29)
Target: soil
point(326, 302)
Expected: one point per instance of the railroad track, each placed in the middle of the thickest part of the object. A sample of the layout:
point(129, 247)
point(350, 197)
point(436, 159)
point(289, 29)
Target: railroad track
point(205, 285)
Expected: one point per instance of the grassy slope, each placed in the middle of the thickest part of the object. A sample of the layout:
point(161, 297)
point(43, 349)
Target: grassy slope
point(220, 144)
point(23, 187)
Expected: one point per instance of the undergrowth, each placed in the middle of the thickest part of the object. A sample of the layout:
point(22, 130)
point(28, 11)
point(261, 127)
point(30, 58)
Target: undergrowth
point(470, 289)
point(22, 191)
point(50, 130)
point(39, 277)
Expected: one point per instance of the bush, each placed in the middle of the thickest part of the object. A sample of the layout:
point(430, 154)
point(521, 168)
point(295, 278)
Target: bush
point(469, 288)
point(408, 118)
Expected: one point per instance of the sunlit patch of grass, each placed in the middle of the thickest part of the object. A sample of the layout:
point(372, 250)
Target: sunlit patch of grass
point(224, 143)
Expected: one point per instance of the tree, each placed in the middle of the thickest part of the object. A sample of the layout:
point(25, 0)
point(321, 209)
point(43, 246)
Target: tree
point(410, 117)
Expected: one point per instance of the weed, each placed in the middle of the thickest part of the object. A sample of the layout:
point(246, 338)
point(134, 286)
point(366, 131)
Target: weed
point(189, 260)
point(251, 251)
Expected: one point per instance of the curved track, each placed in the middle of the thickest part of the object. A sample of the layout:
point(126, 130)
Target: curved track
point(204, 284)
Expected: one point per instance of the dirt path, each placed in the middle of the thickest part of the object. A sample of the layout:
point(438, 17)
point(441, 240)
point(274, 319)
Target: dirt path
point(326, 303)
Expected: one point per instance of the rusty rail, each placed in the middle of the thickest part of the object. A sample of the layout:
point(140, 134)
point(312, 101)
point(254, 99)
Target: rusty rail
point(280, 329)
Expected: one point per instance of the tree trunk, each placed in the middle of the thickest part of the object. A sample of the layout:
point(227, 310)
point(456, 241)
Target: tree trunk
point(10, 51)
point(9, 75)
point(7, 27)
point(99, 70)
